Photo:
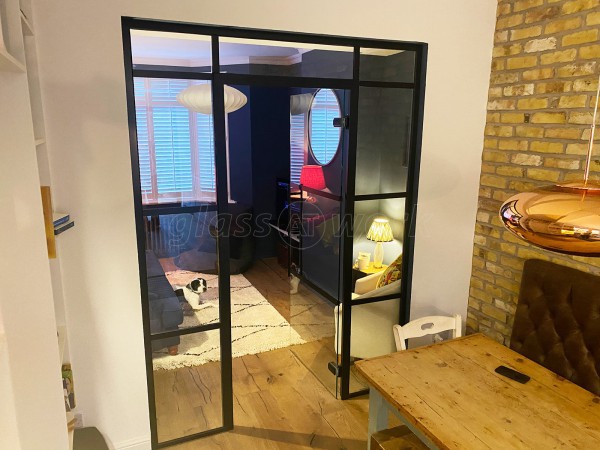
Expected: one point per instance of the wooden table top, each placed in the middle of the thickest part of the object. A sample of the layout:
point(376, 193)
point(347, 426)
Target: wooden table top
point(450, 392)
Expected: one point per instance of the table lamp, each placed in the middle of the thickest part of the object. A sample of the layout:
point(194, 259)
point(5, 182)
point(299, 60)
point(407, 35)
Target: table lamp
point(312, 177)
point(380, 231)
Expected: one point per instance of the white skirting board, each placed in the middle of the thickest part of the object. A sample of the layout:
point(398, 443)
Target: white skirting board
point(141, 443)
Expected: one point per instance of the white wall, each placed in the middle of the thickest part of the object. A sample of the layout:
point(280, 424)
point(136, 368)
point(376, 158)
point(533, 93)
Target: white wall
point(32, 413)
point(82, 78)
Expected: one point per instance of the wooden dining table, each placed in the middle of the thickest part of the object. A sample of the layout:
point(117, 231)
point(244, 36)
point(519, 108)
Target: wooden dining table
point(450, 396)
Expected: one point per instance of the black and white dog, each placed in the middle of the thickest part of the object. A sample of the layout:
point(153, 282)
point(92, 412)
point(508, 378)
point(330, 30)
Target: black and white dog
point(192, 292)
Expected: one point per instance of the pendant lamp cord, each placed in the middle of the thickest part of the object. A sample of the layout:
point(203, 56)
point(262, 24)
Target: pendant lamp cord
point(592, 130)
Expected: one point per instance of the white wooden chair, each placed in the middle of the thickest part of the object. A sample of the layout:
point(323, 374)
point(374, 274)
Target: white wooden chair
point(427, 326)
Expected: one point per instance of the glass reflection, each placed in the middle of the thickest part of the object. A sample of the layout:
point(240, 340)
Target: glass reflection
point(279, 58)
point(175, 144)
point(383, 140)
point(366, 215)
point(181, 270)
point(167, 50)
point(320, 242)
point(187, 387)
point(378, 64)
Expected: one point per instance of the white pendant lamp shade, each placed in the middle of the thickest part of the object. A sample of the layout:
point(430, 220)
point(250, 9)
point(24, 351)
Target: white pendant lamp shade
point(199, 98)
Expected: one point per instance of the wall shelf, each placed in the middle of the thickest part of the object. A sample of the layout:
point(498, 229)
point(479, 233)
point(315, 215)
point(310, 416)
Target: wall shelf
point(21, 97)
point(8, 63)
point(64, 227)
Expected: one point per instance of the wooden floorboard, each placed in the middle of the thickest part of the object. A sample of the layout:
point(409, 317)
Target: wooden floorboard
point(317, 355)
point(280, 397)
point(278, 404)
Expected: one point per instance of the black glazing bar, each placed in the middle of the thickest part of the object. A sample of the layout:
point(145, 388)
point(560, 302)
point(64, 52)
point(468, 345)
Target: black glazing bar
point(328, 195)
point(413, 181)
point(190, 437)
point(139, 225)
point(173, 73)
point(348, 228)
point(345, 149)
point(285, 36)
point(285, 81)
point(184, 331)
point(219, 116)
point(380, 298)
point(288, 235)
point(160, 210)
point(300, 244)
point(366, 197)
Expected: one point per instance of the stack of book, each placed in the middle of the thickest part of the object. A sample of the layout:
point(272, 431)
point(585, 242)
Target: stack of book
point(62, 222)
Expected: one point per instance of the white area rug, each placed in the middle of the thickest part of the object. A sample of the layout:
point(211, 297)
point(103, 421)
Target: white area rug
point(255, 325)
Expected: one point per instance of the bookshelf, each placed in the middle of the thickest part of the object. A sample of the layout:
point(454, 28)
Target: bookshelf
point(22, 88)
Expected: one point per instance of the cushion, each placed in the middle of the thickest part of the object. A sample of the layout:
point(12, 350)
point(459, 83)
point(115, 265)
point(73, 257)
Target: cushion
point(557, 321)
point(391, 274)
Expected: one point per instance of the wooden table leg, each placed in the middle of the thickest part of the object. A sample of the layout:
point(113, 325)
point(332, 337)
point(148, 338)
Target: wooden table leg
point(378, 414)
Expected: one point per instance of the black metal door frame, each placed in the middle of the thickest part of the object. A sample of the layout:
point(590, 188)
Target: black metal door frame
point(350, 198)
point(348, 194)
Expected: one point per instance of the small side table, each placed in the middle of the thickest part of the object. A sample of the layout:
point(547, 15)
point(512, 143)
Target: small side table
point(356, 273)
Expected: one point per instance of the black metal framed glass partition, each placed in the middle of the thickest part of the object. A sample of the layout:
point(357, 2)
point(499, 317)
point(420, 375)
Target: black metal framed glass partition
point(346, 207)
point(380, 211)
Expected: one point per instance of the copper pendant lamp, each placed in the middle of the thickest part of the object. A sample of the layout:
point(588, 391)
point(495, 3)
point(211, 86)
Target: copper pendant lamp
point(565, 217)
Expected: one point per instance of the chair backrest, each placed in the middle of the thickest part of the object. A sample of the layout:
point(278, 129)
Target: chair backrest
point(427, 326)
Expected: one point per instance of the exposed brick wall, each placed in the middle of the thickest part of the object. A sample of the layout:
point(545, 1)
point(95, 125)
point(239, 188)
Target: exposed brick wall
point(545, 67)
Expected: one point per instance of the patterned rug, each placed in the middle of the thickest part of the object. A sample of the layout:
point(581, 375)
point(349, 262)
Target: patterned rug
point(255, 325)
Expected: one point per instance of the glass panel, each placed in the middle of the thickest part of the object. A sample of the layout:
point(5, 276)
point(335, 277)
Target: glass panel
point(377, 243)
point(320, 242)
point(371, 335)
point(175, 144)
point(378, 64)
point(268, 310)
point(167, 50)
point(181, 267)
point(187, 386)
point(262, 57)
point(384, 120)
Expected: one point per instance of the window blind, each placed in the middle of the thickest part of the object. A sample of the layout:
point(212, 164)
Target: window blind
point(175, 145)
point(297, 123)
point(206, 152)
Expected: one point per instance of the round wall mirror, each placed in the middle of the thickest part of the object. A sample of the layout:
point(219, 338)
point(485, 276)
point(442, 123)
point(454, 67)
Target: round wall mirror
point(323, 137)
